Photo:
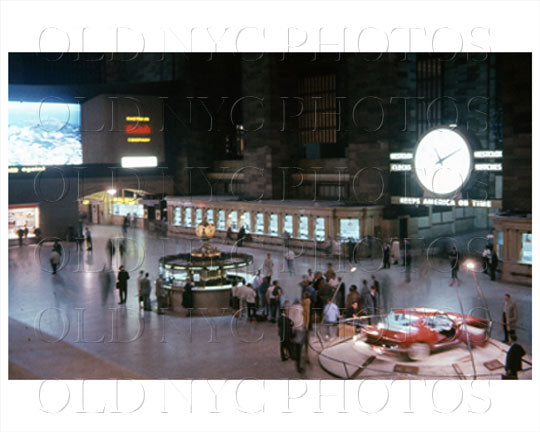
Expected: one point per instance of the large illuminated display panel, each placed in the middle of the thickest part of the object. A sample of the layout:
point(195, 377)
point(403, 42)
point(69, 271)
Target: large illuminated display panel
point(44, 133)
point(123, 127)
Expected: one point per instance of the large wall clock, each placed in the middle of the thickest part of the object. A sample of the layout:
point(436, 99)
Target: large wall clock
point(442, 161)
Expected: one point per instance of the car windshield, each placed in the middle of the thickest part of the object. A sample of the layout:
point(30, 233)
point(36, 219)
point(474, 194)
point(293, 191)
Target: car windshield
point(439, 322)
point(398, 321)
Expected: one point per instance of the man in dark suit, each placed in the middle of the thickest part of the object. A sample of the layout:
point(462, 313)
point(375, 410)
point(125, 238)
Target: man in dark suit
point(123, 277)
point(285, 332)
point(513, 358)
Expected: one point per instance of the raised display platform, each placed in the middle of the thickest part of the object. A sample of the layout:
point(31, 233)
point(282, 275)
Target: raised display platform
point(348, 358)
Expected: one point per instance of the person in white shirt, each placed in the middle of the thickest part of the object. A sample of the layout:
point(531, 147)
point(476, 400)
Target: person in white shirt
point(239, 291)
point(268, 266)
point(249, 296)
point(289, 259)
point(333, 282)
point(310, 275)
point(330, 318)
point(257, 280)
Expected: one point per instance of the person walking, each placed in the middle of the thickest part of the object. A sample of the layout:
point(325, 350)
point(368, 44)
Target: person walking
point(486, 259)
point(250, 297)
point(187, 296)
point(306, 309)
point(299, 336)
point(330, 318)
point(396, 253)
point(408, 265)
point(268, 266)
point(370, 305)
point(513, 359)
point(110, 250)
point(375, 284)
point(285, 331)
point(37, 233)
point(386, 256)
point(161, 295)
point(453, 256)
point(353, 296)
point(289, 259)
point(494, 263)
point(54, 260)
point(229, 235)
point(121, 284)
point(145, 292)
point(57, 247)
point(509, 317)
point(88, 236)
point(273, 295)
point(241, 236)
point(340, 296)
point(330, 272)
point(139, 295)
point(263, 299)
point(20, 233)
point(235, 300)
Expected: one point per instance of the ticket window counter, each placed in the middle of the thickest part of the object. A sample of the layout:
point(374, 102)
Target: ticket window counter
point(19, 217)
point(221, 220)
point(245, 220)
point(303, 227)
point(349, 229)
point(320, 229)
point(210, 216)
point(288, 224)
point(273, 225)
point(259, 223)
point(526, 249)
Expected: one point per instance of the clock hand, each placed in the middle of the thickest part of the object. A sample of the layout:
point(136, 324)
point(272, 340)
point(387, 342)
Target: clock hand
point(451, 154)
point(438, 157)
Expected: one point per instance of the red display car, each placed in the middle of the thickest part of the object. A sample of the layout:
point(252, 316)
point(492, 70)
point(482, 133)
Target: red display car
point(419, 331)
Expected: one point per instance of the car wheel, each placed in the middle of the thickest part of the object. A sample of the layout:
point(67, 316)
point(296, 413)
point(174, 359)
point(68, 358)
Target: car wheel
point(419, 351)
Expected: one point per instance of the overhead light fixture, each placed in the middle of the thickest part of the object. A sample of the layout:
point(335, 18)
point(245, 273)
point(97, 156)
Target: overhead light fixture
point(111, 192)
point(139, 161)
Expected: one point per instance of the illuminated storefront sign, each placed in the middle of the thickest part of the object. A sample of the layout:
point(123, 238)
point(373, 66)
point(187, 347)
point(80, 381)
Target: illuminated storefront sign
point(26, 169)
point(137, 119)
point(138, 139)
point(447, 202)
point(139, 161)
point(401, 156)
point(488, 154)
point(400, 167)
point(488, 167)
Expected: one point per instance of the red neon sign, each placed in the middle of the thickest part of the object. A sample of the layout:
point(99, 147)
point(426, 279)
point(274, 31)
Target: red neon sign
point(136, 129)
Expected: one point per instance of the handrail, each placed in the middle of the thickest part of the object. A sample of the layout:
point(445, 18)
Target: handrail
point(379, 372)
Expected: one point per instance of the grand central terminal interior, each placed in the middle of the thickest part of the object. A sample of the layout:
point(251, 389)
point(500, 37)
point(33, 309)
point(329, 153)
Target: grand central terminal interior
point(315, 216)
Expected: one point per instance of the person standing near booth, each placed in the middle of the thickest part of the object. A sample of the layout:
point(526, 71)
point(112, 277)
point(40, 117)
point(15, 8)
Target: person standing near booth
point(121, 284)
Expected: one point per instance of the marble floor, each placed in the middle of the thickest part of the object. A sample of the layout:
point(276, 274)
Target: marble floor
point(69, 325)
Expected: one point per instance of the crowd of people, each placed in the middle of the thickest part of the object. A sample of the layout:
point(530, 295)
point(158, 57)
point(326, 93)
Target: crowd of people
point(322, 297)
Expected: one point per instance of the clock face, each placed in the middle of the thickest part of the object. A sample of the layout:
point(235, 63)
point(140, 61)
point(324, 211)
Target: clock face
point(199, 231)
point(210, 230)
point(442, 161)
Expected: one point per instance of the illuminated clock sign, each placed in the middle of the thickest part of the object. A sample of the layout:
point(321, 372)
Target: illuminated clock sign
point(442, 161)
point(443, 164)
